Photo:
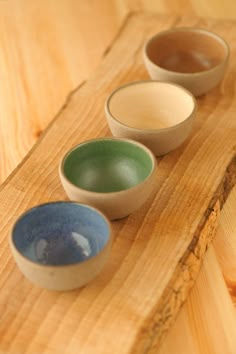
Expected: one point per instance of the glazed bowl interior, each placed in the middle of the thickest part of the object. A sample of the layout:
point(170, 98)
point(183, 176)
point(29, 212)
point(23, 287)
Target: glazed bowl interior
point(150, 105)
point(107, 165)
point(187, 50)
point(61, 233)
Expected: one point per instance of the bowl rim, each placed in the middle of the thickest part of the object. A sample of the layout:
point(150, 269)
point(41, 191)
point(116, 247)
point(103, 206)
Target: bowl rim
point(59, 266)
point(105, 194)
point(157, 130)
point(204, 31)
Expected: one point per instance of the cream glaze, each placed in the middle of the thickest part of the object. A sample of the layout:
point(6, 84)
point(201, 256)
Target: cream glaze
point(150, 106)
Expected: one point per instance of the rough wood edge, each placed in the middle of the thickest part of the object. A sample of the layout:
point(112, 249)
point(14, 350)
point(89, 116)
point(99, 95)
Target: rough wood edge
point(163, 316)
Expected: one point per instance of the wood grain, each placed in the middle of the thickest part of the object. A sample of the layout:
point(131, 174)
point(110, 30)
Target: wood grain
point(206, 323)
point(202, 8)
point(25, 112)
point(49, 47)
point(152, 266)
point(201, 322)
point(225, 244)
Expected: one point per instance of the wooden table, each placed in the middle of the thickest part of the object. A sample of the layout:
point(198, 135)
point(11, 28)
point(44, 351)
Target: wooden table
point(48, 49)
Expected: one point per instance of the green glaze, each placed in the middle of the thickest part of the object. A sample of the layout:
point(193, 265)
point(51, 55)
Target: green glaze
point(107, 165)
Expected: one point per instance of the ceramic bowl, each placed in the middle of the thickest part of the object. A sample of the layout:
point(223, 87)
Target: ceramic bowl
point(193, 58)
point(158, 114)
point(113, 175)
point(61, 245)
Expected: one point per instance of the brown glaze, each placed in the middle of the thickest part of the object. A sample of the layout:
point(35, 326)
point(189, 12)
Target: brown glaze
point(185, 62)
point(191, 57)
point(185, 51)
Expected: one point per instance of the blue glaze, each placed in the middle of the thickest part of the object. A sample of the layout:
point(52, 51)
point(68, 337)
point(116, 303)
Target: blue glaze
point(60, 233)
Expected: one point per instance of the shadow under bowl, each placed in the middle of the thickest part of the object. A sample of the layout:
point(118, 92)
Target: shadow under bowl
point(191, 57)
point(157, 114)
point(61, 245)
point(113, 175)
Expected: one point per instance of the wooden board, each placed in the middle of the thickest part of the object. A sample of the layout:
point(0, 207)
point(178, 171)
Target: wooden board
point(48, 47)
point(157, 250)
point(225, 243)
point(206, 323)
point(207, 320)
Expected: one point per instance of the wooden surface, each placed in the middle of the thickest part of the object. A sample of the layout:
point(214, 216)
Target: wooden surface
point(46, 49)
point(207, 320)
point(148, 290)
point(206, 323)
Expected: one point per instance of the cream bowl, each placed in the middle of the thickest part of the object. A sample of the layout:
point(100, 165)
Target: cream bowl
point(113, 175)
point(61, 245)
point(191, 57)
point(157, 114)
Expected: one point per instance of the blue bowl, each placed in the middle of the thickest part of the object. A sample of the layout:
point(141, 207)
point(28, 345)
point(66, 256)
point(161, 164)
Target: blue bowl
point(61, 245)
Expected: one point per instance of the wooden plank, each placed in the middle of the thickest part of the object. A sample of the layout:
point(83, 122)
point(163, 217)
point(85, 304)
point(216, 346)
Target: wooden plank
point(206, 323)
point(207, 320)
point(48, 47)
point(225, 243)
point(156, 253)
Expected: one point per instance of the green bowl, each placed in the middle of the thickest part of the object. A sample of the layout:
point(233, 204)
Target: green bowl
point(113, 175)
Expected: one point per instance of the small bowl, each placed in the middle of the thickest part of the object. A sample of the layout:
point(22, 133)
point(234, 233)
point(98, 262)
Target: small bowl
point(61, 245)
point(191, 57)
point(158, 114)
point(114, 175)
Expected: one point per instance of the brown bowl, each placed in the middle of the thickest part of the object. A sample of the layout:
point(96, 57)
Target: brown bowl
point(191, 57)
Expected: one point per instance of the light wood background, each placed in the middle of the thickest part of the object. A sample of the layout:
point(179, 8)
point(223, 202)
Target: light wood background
point(47, 48)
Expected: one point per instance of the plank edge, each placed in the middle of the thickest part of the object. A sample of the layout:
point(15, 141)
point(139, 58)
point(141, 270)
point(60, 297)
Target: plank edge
point(156, 326)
